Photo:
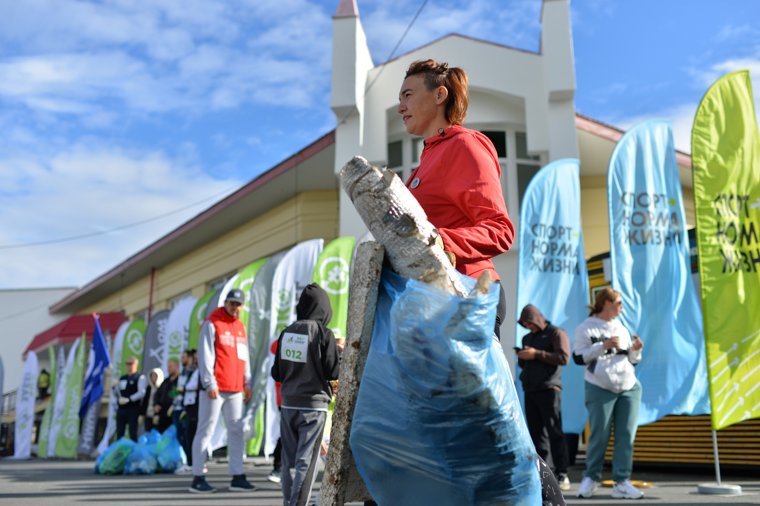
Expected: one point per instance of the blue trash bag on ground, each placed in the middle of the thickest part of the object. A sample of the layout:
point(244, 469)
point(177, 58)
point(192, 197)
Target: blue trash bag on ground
point(437, 418)
point(142, 460)
point(149, 438)
point(112, 460)
point(169, 453)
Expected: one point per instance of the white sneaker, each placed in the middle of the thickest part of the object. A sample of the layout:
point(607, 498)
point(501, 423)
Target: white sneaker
point(587, 487)
point(274, 476)
point(183, 469)
point(624, 490)
point(564, 481)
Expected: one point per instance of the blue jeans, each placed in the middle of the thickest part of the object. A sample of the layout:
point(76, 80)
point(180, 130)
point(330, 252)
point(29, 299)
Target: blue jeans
point(604, 407)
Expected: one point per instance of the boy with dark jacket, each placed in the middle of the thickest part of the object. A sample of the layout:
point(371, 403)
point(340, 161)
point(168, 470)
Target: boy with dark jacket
point(545, 349)
point(305, 362)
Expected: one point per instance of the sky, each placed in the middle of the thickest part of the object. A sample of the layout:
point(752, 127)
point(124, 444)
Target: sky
point(122, 119)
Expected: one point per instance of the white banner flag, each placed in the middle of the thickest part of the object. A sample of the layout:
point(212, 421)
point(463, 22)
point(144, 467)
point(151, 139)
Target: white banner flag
point(25, 408)
point(177, 331)
point(294, 272)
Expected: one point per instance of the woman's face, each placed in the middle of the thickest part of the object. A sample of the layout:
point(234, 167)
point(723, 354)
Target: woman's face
point(419, 107)
point(615, 306)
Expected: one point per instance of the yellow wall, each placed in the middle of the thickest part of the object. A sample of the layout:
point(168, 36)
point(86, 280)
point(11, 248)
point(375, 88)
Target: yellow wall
point(595, 217)
point(308, 215)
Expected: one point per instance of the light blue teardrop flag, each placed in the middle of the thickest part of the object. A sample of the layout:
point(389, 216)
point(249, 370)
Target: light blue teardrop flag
point(649, 257)
point(552, 268)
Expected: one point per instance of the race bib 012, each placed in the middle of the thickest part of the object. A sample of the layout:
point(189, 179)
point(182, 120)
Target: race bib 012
point(294, 347)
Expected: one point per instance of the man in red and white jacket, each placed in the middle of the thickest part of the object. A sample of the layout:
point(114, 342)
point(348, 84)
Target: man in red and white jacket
point(225, 376)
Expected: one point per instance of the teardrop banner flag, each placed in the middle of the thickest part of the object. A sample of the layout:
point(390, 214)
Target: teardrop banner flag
point(133, 347)
point(98, 361)
point(332, 274)
point(292, 275)
point(177, 331)
point(116, 351)
point(42, 438)
point(155, 339)
point(552, 267)
point(27, 392)
point(57, 400)
point(67, 437)
point(197, 318)
point(258, 348)
point(725, 154)
point(651, 267)
point(244, 282)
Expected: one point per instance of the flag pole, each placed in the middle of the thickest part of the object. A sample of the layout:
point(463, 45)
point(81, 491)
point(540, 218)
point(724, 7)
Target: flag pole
point(718, 488)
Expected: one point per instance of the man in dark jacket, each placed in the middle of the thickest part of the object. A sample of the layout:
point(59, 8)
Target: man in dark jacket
point(131, 391)
point(545, 349)
point(305, 362)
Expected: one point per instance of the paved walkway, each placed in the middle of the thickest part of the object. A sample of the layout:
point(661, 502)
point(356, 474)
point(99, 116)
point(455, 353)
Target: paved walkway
point(43, 483)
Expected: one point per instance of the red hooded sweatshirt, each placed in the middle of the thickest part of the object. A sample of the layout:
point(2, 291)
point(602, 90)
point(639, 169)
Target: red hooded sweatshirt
point(458, 186)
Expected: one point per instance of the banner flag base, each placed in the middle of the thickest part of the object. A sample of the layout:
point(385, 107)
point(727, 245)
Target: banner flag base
point(719, 489)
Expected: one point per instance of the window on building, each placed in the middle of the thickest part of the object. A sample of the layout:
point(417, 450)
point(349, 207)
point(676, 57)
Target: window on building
point(525, 173)
point(521, 139)
point(395, 154)
point(418, 144)
point(499, 140)
point(527, 165)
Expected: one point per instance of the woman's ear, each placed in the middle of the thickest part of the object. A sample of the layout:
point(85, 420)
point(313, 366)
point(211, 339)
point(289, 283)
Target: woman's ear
point(441, 94)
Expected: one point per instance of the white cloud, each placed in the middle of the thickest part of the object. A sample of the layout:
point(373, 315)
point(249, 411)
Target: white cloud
point(145, 57)
point(88, 189)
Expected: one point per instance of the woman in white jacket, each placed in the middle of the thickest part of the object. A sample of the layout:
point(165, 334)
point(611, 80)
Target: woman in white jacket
point(609, 354)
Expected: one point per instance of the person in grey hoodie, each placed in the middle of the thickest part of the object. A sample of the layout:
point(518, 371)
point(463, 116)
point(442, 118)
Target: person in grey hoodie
point(306, 360)
point(545, 349)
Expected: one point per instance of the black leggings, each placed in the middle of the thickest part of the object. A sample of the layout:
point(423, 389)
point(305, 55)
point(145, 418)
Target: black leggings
point(501, 311)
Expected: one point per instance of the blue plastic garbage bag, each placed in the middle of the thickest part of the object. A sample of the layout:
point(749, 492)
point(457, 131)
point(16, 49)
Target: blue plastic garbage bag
point(169, 452)
point(142, 460)
point(149, 438)
point(437, 419)
point(112, 460)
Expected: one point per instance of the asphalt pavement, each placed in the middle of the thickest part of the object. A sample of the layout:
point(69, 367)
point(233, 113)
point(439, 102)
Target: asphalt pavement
point(56, 482)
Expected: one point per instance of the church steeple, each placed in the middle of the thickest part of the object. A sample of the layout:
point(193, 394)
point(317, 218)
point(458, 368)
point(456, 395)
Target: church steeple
point(347, 9)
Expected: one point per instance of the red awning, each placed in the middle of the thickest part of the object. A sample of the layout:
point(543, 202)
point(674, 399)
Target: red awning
point(73, 327)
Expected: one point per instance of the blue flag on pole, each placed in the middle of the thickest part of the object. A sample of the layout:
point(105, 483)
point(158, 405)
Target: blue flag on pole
point(552, 271)
point(97, 363)
point(651, 267)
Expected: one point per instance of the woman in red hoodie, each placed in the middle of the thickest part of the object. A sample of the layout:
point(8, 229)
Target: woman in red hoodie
point(457, 184)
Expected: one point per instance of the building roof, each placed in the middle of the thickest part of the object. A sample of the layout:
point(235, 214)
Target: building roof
point(73, 327)
point(311, 168)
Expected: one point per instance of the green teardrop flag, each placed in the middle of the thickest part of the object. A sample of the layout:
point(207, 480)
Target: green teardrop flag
point(725, 152)
point(68, 436)
point(134, 342)
point(196, 319)
point(332, 273)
